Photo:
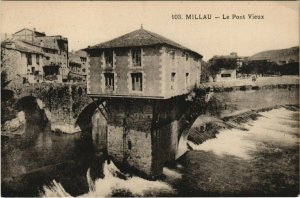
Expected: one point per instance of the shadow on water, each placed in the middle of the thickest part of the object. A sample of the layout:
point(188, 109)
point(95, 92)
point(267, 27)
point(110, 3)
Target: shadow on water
point(39, 156)
point(227, 175)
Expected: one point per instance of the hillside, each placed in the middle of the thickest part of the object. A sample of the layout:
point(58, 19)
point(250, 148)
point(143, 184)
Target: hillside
point(278, 55)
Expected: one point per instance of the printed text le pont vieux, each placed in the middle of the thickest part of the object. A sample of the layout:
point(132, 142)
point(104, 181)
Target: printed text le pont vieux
point(222, 16)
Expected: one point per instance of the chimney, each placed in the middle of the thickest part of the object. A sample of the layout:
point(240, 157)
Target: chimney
point(34, 29)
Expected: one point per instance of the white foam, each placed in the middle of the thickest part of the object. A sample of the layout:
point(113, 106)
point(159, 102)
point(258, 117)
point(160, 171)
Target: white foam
point(40, 103)
point(172, 174)
point(106, 186)
point(54, 190)
point(65, 128)
point(265, 129)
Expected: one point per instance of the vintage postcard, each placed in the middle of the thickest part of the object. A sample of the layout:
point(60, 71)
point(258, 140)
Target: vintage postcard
point(149, 98)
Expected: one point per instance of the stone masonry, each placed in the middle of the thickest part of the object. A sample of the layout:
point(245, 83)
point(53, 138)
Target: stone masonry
point(62, 103)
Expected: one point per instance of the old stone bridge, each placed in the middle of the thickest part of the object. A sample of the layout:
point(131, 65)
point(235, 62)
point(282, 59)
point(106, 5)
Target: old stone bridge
point(61, 103)
point(142, 134)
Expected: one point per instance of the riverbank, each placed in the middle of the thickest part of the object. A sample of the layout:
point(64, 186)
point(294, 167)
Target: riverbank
point(247, 84)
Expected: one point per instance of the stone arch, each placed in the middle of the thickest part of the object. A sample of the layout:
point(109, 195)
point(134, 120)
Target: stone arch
point(84, 119)
point(92, 118)
point(30, 119)
point(32, 103)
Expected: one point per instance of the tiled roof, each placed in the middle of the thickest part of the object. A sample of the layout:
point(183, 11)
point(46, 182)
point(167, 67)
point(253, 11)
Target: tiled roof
point(81, 53)
point(21, 46)
point(48, 42)
point(40, 33)
point(74, 58)
point(140, 37)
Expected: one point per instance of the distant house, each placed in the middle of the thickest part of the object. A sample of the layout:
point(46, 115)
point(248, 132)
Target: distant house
point(142, 64)
point(225, 75)
point(54, 49)
point(226, 66)
point(78, 65)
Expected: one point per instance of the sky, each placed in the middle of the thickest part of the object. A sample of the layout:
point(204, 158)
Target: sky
point(92, 22)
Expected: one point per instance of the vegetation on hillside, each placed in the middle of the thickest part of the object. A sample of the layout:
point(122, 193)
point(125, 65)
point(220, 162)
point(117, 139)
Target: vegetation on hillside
point(289, 54)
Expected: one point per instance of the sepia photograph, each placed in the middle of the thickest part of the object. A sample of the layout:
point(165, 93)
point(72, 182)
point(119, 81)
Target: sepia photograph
point(149, 98)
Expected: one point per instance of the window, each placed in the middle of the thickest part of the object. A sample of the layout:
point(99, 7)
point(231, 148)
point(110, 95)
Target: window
point(83, 59)
point(173, 74)
point(29, 59)
point(187, 82)
point(109, 81)
point(108, 55)
point(37, 59)
point(137, 81)
point(32, 70)
point(129, 145)
point(186, 56)
point(187, 78)
point(172, 53)
point(136, 57)
point(225, 75)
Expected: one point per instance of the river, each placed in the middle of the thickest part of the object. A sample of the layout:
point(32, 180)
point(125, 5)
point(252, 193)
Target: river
point(258, 158)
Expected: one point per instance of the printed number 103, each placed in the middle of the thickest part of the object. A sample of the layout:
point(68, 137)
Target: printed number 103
point(176, 16)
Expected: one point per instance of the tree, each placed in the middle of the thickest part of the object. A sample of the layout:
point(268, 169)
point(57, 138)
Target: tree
point(225, 63)
point(263, 67)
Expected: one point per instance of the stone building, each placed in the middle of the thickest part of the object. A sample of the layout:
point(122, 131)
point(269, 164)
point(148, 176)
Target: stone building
point(225, 75)
point(54, 49)
point(78, 66)
point(22, 62)
point(142, 64)
point(139, 81)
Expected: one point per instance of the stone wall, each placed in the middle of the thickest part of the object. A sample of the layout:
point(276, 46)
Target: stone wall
point(156, 67)
point(129, 133)
point(180, 66)
point(64, 102)
point(122, 69)
point(143, 134)
point(12, 65)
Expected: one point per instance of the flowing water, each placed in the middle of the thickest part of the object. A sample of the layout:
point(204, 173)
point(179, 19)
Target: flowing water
point(262, 160)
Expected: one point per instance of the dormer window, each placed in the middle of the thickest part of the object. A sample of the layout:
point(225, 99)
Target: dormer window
point(108, 55)
point(136, 57)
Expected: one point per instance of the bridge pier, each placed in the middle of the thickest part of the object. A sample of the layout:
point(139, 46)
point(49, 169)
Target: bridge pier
point(142, 134)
